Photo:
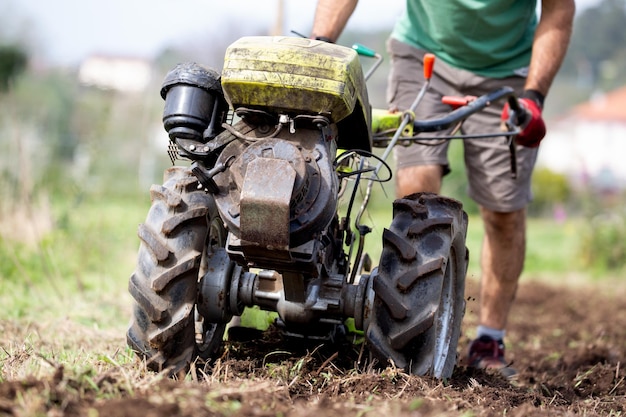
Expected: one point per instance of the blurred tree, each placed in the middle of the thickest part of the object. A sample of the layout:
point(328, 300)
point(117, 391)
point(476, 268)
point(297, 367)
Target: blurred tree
point(602, 245)
point(599, 38)
point(551, 190)
point(13, 60)
point(43, 104)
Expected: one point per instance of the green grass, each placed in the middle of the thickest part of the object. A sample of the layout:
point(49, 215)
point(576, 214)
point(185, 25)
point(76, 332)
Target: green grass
point(78, 274)
point(91, 253)
point(80, 268)
point(551, 247)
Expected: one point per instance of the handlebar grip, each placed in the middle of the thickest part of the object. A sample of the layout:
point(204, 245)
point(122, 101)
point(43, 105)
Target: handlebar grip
point(364, 50)
point(429, 63)
point(514, 104)
point(521, 114)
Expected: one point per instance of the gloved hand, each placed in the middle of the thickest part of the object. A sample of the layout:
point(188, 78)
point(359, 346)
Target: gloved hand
point(531, 123)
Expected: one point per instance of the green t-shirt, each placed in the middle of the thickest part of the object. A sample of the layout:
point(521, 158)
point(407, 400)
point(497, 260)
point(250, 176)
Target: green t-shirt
point(492, 38)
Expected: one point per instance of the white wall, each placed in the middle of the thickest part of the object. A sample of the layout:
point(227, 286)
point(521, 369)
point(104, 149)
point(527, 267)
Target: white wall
point(586, 150)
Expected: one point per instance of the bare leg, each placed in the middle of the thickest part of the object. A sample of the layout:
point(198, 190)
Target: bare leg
point(502, 261)
point(421, 178)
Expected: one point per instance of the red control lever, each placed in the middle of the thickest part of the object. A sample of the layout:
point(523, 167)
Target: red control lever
point(457, 102)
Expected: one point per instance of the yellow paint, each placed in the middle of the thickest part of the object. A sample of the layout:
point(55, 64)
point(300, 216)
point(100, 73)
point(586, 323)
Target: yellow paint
point(296, 75)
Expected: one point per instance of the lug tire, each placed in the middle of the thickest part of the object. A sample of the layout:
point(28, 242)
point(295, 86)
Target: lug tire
point(419, 300)
point(181, 225)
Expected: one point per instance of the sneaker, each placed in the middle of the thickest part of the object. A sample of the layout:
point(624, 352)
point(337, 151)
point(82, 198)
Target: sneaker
point(487, 353)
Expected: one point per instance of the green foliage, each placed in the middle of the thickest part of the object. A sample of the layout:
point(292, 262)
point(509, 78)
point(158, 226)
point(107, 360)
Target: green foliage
point(91, 251)
point(70, 156)
point(599, 40)
point(256, 318)
point(551, 249)
point(600, 32)
point(79, 140)
point(552, 246)
point(13, 60)
point(603, 243)
point(550, 190)
point(455, 183)
point(48, 102)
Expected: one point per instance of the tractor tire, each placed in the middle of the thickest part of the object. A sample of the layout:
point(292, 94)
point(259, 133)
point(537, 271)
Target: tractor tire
point(181, 230)
point(419, 300)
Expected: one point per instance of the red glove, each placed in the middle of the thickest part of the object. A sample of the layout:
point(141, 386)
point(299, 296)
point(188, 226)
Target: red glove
point(532, 124)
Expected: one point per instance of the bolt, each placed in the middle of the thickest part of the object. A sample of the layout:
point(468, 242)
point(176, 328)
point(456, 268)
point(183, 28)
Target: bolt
point(192, 147)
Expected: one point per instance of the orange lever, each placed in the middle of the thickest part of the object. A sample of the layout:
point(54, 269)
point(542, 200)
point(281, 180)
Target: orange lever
point(429, 63)
point(457, 102)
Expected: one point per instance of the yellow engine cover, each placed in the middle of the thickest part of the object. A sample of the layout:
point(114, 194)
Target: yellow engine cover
point(296, 75)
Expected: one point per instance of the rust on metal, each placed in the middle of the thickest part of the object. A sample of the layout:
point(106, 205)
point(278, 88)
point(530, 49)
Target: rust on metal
point(265, 198)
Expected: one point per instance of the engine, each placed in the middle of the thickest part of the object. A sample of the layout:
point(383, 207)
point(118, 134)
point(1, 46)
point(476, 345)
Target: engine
point(279, 193)
point(272, 173)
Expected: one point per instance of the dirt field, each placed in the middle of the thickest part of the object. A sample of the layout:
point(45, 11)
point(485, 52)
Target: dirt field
point(567, 342)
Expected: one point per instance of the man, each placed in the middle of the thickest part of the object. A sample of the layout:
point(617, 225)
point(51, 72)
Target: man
point(480, 45)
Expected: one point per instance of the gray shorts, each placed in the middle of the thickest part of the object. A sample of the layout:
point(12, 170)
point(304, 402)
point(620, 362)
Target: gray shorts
point(487, 161)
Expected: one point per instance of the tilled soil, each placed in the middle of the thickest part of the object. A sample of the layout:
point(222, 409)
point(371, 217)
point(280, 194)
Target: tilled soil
point(568, 344)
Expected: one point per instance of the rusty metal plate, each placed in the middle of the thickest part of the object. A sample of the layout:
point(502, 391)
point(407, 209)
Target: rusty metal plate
point(265, 199)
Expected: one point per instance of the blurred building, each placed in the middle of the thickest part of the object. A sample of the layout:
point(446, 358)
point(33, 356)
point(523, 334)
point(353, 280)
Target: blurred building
point(589, 143)
point(122, 74)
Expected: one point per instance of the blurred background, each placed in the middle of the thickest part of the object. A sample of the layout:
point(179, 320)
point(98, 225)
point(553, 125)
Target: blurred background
point(81, 139)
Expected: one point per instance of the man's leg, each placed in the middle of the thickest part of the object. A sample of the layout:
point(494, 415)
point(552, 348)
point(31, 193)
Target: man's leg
point(502, 260)
point(419, 178)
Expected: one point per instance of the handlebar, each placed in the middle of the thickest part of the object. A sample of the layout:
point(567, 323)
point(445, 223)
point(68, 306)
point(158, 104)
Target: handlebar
point(462, 113)
point(517, 116)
